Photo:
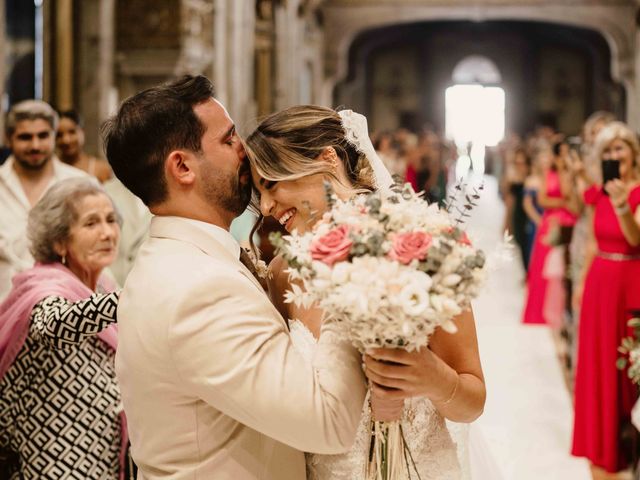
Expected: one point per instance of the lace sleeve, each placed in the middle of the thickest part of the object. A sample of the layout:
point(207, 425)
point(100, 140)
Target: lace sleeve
point(60, 323)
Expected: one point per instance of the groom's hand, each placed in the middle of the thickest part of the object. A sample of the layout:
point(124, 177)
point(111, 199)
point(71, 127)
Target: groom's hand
point(385, 409)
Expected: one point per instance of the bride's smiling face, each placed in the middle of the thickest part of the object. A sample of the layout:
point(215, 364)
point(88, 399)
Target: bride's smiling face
point(297, 204)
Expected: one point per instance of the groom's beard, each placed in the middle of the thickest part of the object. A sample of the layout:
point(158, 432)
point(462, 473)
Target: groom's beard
point(226, 190)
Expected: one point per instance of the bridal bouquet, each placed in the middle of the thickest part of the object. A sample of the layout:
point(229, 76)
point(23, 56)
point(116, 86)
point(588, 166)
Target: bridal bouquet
point(630, 349)
point(391, 268)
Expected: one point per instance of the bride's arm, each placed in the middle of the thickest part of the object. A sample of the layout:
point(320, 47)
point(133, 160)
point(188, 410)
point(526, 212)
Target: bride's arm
point(448, 372)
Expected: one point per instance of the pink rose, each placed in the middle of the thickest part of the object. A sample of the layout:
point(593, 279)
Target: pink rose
point(464, 239)
point(332, 247)
point(410, 246)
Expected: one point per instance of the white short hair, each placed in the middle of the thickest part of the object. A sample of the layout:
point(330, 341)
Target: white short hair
point(50, 220)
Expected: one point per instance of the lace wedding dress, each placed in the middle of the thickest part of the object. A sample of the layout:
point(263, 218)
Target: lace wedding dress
point(438, 447)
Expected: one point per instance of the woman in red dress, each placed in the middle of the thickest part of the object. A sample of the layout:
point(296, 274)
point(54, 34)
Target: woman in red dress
point(556, 196)
point(604, 395)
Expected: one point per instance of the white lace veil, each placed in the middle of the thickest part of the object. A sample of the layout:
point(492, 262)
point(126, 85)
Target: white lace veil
point(357, 133)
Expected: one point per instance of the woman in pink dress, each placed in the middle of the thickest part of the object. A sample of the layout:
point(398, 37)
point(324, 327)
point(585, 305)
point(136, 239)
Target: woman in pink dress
point(556, 197)
point(604, 395)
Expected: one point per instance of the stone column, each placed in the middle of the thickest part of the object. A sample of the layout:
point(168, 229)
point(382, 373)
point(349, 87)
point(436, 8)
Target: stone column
point(64, 77)
point(218, 72)
point(288, 45)
point(196, 45)
point(264, 58)
point(97, 97)
point(238, 66)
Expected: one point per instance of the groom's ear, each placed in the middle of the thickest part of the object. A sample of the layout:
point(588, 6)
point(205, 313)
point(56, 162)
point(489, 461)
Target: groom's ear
point(179, 168)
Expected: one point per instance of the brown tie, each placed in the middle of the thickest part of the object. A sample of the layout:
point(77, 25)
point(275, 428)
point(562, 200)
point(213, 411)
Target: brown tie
point(245, 258)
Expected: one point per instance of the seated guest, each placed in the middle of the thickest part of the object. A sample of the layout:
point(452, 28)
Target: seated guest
point(70, 143)
point(60, 406)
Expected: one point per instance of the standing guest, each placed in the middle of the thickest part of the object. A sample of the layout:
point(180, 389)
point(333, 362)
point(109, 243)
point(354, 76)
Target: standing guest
point(556, 196)
point(26, 175)
point(530, 203)
point(586, 167)
point(516, 217)
point(70, 143)
point(604, 395)
point(383, 144)
point(60, 405)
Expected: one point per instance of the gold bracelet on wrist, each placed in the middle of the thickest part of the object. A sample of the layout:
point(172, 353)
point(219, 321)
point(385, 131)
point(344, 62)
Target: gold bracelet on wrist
point(453, 393)
point(622, 209)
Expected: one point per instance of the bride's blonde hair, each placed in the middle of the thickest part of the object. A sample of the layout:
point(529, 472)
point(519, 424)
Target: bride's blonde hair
point(287, 145)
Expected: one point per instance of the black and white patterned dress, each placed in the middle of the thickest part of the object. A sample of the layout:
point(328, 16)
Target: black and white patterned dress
point(59, 401)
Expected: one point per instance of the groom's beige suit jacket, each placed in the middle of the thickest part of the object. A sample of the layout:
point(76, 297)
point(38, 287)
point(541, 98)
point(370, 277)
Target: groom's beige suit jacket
point(211, 383)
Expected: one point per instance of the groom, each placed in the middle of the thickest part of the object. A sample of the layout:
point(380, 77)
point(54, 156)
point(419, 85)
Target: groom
point(211, 384)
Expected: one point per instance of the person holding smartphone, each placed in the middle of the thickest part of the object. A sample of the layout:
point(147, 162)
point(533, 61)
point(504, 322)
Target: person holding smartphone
point(604, 395)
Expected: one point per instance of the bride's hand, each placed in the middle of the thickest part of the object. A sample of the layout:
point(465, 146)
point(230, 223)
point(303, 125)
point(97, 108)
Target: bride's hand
point(409, 374)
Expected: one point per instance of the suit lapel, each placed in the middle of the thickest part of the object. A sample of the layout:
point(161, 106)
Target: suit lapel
point(182, 230)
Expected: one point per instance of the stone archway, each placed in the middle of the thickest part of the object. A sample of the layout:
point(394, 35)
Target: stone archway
point(614, 20)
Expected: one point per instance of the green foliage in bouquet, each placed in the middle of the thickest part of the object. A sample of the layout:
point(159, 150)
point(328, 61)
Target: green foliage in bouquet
point(630, 349)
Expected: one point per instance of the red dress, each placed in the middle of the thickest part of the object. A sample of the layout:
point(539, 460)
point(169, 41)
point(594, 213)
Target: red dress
point(536, 283)
point(604, 395)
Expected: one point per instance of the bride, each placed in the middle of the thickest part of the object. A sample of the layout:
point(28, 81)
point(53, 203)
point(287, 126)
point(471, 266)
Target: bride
point(292, 153)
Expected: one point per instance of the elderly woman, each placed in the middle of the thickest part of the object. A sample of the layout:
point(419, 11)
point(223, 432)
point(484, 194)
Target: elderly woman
point(60, 406)
point(604, 395)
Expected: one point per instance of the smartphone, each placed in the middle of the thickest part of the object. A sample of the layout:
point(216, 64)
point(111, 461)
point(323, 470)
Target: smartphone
point(610, 170)
point(575, 144)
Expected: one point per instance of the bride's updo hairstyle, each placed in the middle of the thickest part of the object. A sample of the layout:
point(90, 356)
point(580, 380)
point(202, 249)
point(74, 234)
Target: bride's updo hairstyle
point(287, 145)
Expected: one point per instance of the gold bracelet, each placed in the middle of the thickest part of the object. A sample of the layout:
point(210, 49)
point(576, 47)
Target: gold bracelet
point(622, 210)
point(453, 393)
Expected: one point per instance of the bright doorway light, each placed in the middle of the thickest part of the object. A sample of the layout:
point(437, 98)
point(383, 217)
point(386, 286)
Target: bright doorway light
point(475, 114)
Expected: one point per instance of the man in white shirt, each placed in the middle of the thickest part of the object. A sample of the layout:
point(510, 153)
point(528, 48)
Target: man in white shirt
point(211, 382)
point(26, 175)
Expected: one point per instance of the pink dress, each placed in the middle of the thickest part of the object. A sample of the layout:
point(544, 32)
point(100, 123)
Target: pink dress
point(604, 395)
point(536, 282)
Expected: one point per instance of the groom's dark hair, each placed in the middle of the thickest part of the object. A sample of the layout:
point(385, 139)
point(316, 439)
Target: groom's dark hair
point(148, 126)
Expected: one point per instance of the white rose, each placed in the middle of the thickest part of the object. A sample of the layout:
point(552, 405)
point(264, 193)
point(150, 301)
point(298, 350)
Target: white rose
point(414, 300)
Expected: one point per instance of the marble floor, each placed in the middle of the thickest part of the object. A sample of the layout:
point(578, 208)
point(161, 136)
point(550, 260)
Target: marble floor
point(527, 422)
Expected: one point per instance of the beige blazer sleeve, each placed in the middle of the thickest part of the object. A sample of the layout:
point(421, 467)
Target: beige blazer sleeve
point(232, 349)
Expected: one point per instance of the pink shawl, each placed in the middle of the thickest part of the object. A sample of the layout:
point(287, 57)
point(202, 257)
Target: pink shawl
point(29, 288)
